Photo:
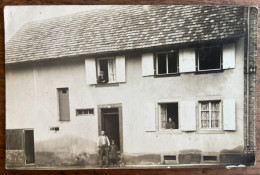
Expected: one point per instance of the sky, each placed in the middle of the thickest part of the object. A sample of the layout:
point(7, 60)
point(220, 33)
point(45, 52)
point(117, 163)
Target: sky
point(16, 16)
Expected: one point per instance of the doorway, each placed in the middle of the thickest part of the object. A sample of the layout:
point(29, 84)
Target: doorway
point(110, 119)
point(29, 146)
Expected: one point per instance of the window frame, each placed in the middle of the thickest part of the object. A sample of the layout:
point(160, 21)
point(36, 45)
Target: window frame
point(220, 128)
point(167, 67)
point(98, 69)
point(198, 59)
point(58, 104)
point(160, 118)
point(77, 114)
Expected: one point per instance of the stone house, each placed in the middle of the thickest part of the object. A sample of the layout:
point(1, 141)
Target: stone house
point(193, 64)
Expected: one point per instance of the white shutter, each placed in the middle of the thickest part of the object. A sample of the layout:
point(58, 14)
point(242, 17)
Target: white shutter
point(229, 114)
point(188, 116)
point(120, 68)
point(229, 56)
point(147, 64)
point(149, 117)
point(90, 66)
point(187, 60)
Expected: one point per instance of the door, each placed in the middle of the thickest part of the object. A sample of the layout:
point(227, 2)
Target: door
point(29, 146)
point(110, 124)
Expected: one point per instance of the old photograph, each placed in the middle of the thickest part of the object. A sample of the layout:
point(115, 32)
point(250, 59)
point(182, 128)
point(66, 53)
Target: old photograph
point(130, 86)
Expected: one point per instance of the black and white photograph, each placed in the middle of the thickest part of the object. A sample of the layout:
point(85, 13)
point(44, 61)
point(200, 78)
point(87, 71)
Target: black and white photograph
point(130, 86)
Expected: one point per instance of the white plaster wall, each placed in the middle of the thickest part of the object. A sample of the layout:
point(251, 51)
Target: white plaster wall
point(31, 102)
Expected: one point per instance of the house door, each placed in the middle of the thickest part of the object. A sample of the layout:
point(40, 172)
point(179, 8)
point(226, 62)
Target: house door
point(29, 146)
point(110, 124)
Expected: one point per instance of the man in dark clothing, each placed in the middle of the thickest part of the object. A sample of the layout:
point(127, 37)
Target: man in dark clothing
point(170, 124)
point(101, 77)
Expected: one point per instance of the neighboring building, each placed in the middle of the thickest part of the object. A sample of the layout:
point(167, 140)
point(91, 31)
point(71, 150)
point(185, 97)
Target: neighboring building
point(193, 64)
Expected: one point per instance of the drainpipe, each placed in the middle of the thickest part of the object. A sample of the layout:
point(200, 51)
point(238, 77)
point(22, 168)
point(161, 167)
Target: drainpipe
point(247, 79)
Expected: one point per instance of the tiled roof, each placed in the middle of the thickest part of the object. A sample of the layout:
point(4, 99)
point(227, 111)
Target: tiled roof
point(120, 28)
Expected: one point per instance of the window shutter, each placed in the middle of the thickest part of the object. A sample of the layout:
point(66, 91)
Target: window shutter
point(229, 56)
point(120, 68)
point(90, 66)
point(188, 115)
point(229, 114)
point(149, 117)
point(187, 60)
point(147, 64)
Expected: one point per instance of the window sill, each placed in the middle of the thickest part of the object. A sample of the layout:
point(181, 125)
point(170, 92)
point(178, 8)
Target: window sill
point(211, 132)
point(169, 131)
point(64, 121)
point(167, 75)
point(209, 71)
point(84, 115)
point(106, 84)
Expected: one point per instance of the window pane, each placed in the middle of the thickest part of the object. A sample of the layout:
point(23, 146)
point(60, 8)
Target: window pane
point(205, 106)
point(215, 119)
point(163, 115)
point(111, 69)
point(103, 66)
point(172, 62)
point(215, 106)
point(162, 63)
point(209, 58)
point(204, 119)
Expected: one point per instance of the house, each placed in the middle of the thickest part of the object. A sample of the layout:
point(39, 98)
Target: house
point(193, 64)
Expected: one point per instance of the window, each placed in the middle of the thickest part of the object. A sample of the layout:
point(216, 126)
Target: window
point(106, 70)
point(84, 112)
point(209, 58)
point(169, 116)
point(55, 129)
point(167, 62)
point(210, 114)
point(64, 106)
point(210, 158)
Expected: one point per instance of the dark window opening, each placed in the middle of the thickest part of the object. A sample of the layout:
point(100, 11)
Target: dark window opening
point(107, 70)
point(169, 116)
point(162, 63)
point(84, 112)
point(167, 62)
point(172, 62)
point(210, 158)
point(169, 157)
point(54, 128)
point(64, 90)
point(209, 58)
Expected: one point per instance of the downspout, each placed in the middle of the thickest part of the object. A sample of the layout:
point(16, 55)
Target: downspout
point(247, 79)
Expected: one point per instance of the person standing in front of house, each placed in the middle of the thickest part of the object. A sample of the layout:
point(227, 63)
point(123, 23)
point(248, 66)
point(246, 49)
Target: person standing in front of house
point(113, 153)
point(103, 148)
point(170, 124)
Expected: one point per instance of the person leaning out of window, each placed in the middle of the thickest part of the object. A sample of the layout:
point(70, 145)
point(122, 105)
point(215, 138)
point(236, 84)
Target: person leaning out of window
point(101, 77)
point(170, 124)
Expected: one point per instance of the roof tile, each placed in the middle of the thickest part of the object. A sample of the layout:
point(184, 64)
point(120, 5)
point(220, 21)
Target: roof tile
point(120, 28)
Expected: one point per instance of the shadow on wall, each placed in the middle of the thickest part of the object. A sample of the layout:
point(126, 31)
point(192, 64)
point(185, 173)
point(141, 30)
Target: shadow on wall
point(64, 151)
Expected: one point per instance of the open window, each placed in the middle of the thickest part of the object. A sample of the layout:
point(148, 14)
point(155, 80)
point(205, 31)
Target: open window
point(169, 116)
point(167, 62)
point(106, 70)
point(210, 114)
point(209, 58)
